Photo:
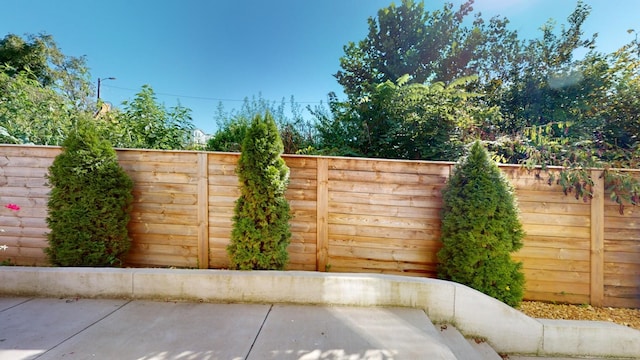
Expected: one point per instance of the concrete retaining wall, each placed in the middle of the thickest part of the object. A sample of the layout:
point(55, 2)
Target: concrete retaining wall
point(473, 313)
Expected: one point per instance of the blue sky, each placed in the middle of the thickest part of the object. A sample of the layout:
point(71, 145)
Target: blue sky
point(201, 52)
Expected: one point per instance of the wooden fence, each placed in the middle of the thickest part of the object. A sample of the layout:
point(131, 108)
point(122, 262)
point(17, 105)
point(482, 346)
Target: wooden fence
point(349, 215)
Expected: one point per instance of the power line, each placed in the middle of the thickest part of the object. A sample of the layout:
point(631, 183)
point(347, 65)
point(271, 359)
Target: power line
point(203, 97)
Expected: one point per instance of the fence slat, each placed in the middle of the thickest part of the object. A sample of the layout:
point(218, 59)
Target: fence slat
point(597, 239)
point(203, 211)
point(322, 218)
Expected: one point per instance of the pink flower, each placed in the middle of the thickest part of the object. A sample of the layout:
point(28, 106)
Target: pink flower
point(13, 207)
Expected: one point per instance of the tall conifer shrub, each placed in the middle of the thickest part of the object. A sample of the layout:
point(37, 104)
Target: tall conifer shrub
point(261, 232)
point(90, 202)
point(480, 229)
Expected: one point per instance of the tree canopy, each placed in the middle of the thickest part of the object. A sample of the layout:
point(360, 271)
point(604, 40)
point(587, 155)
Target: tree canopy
point(39, 58)
point(144, 123)
point(549, 100)
point(428, 46)
point(44, 92)
point(533, 81)
point(296, 132)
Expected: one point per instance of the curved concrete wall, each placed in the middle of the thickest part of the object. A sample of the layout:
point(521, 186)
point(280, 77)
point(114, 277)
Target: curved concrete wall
point(473, 313)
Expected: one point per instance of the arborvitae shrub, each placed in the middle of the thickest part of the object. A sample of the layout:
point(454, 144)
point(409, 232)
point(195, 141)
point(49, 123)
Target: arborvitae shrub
point(89, 204)
point(480, 229)
point(261, 232)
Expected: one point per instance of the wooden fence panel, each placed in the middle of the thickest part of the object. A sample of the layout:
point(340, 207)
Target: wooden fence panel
point(223, 192)
point(164, 222)
point(621, 254)
point(301, 193)
point(23, 182)
point(355, 215)
point(556, 248)
point(383, 216)
point(302, 196)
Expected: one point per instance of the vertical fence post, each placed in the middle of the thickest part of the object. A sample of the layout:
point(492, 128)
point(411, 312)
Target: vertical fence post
point(597, 240)
point(322, 214)
point(203, 210)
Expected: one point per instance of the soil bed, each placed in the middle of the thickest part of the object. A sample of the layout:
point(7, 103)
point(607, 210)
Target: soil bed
point(542, 310)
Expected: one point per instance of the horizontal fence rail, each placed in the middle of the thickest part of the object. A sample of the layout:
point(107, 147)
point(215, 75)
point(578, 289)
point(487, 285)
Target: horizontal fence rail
point(349, 215)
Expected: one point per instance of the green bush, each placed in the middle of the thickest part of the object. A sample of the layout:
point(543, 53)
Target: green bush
point(480, 229)
point(230, 137)
point(261, 232)
point(89, 204)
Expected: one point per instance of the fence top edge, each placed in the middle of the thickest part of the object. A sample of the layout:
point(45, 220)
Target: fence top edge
point(450, 163)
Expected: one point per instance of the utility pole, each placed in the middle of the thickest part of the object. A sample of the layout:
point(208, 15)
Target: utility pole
point(99, 82)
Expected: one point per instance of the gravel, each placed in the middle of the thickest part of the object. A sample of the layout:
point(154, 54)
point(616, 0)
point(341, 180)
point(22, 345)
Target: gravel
point(542, 310)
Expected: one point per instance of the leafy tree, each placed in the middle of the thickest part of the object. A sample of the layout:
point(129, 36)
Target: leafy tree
point(39, 58)
point(433, 57)
point(27, 56)
point(545, 84)
point(616, 119)
point(230, 136)
point(295, 132)
point(540, 106)
point(143, 123)
point(6, 138)
point(337, 134)
point(31, 113)
point(42, 90)
point(480, 229)
point(74, 81)
point(407, 121)
point(428, 46)
point(588, 119)
point(89, 204)
point(533, 82)
point(261, 233)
